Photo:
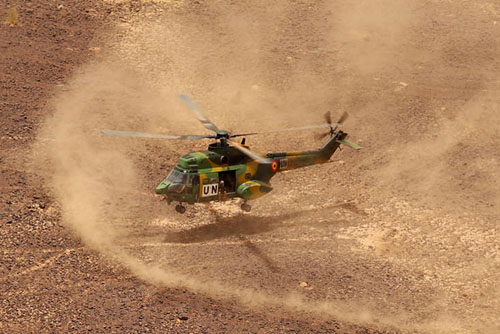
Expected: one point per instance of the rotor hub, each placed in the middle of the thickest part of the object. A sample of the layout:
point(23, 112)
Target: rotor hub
point(222, 134)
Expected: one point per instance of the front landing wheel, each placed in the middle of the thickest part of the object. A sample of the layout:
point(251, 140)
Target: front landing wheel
point(246, 207)
point(179, 208)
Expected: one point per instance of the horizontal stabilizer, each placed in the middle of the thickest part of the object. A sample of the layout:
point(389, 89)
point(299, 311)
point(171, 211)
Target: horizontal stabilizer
point(351, 144)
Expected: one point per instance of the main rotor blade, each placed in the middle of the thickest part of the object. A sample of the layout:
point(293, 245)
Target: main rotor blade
point(309, 127)
point(153, 135)
point(244, 134)
point(249, 153)
point(198, 113)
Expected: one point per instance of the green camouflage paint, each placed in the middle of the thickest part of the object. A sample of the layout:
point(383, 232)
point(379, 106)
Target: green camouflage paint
point(198, 172)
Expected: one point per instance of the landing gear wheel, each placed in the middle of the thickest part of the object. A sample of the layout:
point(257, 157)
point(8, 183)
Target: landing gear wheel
point(179, 208)
point(246, 207)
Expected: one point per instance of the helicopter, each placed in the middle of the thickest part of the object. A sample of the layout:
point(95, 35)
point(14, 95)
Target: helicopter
point(228, 169)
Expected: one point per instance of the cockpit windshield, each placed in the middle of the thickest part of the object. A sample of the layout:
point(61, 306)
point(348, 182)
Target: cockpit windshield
point(177, 176)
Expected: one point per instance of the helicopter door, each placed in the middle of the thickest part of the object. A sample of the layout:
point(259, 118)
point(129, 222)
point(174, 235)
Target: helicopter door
point(227, 179)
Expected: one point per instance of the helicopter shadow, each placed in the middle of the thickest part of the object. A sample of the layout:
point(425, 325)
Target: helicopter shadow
point(258, 253)
point(244, 224)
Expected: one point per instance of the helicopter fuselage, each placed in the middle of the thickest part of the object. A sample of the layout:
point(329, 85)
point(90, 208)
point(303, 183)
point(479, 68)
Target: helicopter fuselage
point(223, 172)
point(228, 169)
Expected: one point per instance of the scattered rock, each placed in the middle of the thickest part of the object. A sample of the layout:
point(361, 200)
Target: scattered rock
point(303, 284)
point(12, 17)
point(402, 85)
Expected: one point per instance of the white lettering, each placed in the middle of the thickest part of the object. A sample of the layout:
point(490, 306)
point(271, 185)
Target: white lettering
point(210, 190)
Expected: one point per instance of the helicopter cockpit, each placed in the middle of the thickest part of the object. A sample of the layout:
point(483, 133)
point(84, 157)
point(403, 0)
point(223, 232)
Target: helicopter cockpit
point(178, 176)
point(178, 182)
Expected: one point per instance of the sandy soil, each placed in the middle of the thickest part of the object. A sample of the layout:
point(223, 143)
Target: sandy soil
point(400, 237)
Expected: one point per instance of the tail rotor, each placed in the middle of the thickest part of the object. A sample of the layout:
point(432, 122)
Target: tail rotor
point(334, 130)
point(333, 126)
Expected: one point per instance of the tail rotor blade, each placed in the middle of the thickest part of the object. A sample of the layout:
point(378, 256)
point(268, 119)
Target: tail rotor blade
point(321, 136)
point(342, 118)
point(328, 117)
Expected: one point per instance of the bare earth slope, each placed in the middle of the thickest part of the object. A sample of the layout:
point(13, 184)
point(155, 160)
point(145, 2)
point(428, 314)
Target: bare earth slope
point(401, 237)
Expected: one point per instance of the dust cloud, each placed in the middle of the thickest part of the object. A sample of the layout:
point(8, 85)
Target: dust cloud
point(370, 35)
point(240, 63)
point(458, 157)
point(96, 181)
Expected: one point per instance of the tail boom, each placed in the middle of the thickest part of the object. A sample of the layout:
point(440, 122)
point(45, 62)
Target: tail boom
point(294, 160)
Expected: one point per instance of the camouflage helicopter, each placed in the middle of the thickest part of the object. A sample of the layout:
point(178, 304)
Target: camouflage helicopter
point(229, 169)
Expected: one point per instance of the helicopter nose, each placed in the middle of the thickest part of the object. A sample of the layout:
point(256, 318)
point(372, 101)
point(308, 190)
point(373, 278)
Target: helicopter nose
point(161, 189)
point(175, 188)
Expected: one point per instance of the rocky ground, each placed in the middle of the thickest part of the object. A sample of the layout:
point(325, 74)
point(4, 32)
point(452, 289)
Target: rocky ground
point(400, 237)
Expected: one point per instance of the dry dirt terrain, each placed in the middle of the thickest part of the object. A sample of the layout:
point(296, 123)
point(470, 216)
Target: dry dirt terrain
point(400, 237)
